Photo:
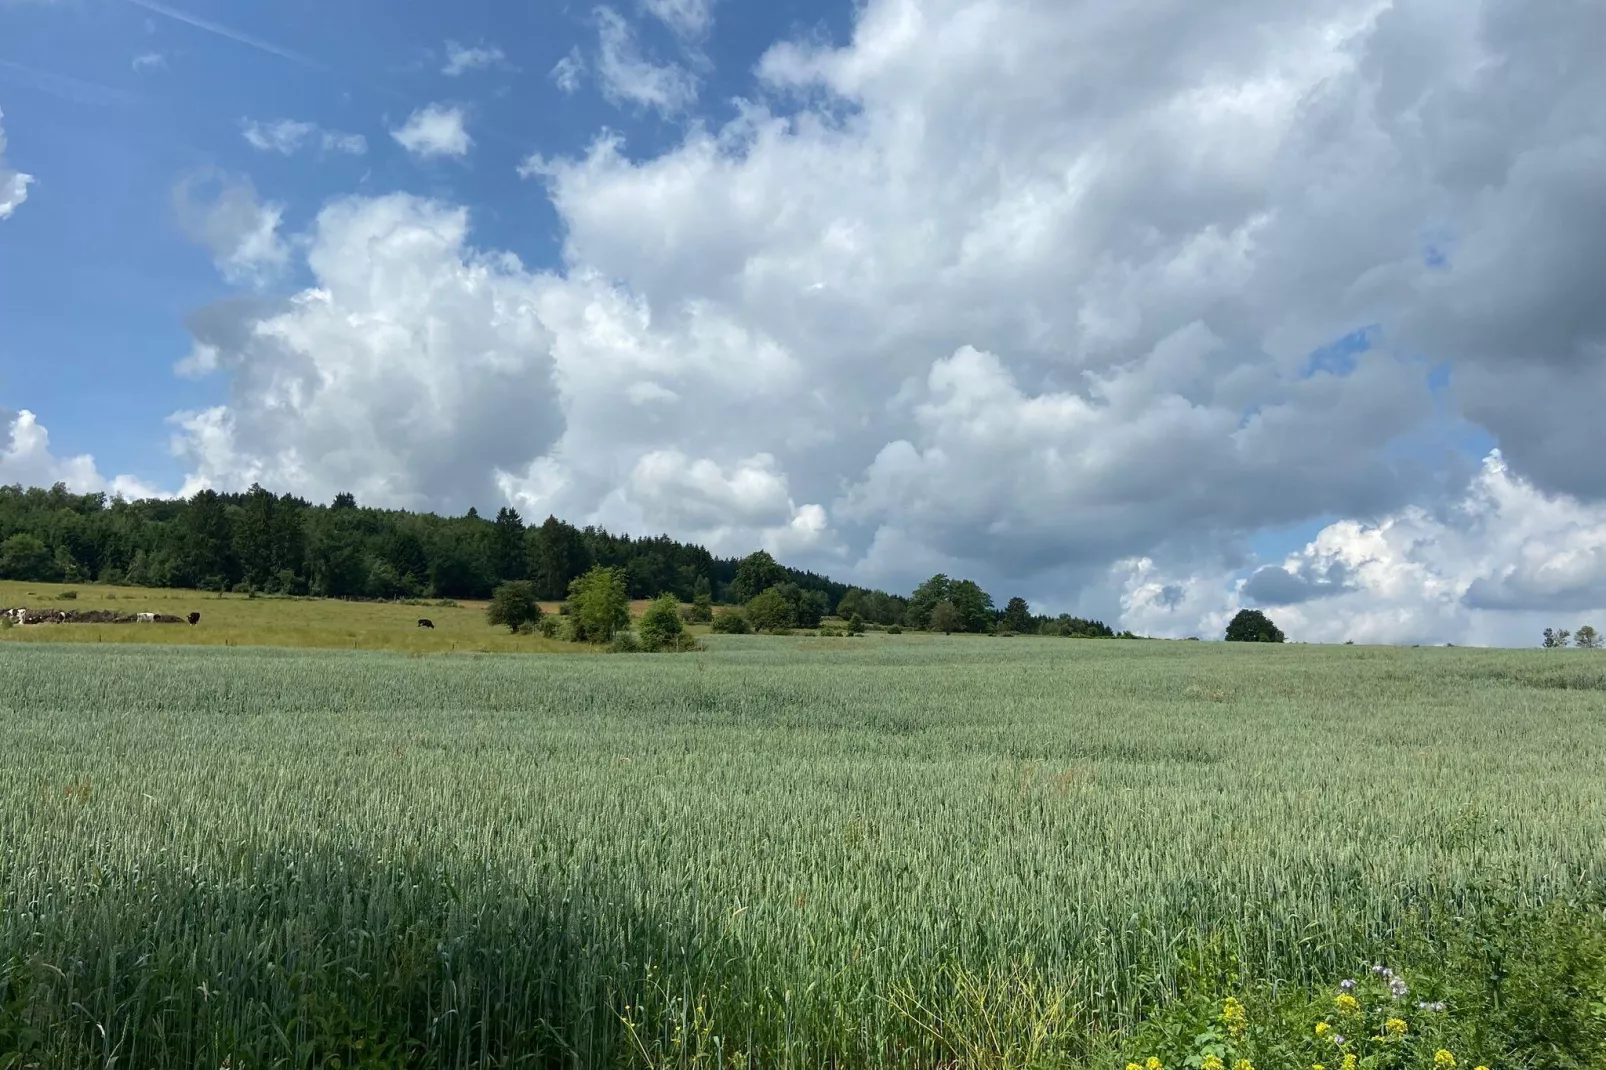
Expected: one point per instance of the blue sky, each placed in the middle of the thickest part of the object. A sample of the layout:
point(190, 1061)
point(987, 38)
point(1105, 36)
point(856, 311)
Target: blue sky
point(1109, 305)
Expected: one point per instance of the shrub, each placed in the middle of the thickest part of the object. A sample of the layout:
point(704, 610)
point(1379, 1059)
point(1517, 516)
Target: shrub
point(894, 630)
point(702, 608)
point(770, 612)
point(549, 627)
point(855, 625)
point(661, 626)
point(731, 622)
point(69, 595)
point(625, 642)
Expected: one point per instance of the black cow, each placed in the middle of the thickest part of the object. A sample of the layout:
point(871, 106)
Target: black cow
point(425, 622)
point(194, 619)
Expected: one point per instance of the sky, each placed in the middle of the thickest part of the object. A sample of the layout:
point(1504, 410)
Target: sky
point(1149, 311)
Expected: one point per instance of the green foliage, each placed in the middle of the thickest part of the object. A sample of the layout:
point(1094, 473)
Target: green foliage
point(1587, 638)
point(945, 618)
point(625, 641)
point(660, 625)
point(514, 605)
point(1252, 626)
point(1018, 617)
point(757, 573)
point(599, 605)
point(25, 557)
point(770, 611)
point(894, 629)
point(702, 607)
point(1555, 639)
point(855, 625)
point(730, 622)
point(972, 607)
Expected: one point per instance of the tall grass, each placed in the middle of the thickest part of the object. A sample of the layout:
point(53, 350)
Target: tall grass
point(777, 853)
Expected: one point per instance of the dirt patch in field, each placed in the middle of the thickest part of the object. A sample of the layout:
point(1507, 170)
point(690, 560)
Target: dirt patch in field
point(24, 615)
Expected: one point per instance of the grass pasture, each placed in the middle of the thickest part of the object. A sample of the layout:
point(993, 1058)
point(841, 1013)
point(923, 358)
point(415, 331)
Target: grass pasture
point(777, 852)
point(238, 620)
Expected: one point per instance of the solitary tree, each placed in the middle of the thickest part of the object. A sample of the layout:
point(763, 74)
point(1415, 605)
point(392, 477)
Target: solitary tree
point(945, 618)
point(599, 604)
point(1587, 638)
point(1556, 639)
point(1253, 626)
point(513, 604)
point(1018, 615)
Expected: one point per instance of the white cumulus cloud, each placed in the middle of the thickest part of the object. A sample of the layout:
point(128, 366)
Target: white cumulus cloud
point(1494, 566)
point(433, 131)
point(25, 459)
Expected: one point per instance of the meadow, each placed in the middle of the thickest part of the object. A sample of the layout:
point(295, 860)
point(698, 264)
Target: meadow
point(271, 620)
point(914, 851)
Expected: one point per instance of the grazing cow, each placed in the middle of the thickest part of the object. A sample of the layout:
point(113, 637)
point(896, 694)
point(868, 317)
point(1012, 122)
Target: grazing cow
point(425, 622)
point(145, 618)
point(194, 619)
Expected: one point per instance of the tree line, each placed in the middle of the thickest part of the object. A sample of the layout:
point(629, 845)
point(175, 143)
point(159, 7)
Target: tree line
point(269, 543)
point(281, 544)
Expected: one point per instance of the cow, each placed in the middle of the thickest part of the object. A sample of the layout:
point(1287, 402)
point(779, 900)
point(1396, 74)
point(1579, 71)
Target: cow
point(194, 619)
point(145, 618)
point(425, 622)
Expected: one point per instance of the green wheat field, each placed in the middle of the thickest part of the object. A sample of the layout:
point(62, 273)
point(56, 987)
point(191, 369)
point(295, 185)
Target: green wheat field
point(776, 852)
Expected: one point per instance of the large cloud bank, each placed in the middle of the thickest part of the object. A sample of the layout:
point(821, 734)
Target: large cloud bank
point(1026, 290)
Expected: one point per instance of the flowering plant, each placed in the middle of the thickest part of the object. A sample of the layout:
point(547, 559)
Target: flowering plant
point(1368, 1023)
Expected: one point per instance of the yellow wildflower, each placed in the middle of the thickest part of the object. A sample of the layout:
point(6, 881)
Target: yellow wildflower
point(1155, 1064)
point(1395, 1027)
point(1322, 1029)
point(1317, 1066)
point(1347, 1004)
point(1481, 1068)
point(1243, 1064)
point(1349, 1062)
point(1211, 1062)
point(1133, 1066)
point(1443, 1060)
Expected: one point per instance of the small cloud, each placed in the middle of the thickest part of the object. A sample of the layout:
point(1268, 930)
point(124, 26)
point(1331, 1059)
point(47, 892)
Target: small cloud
point(286, 137)
point(13, 184)
point(283, 136)
point(350, 144)
point(461, 60)
point(434, 131)
point(627, 76)
point(689, 19)
point(566, 74)
point(149, 61)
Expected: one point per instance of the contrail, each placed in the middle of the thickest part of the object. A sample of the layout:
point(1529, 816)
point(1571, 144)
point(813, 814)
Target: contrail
point(224, 31)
